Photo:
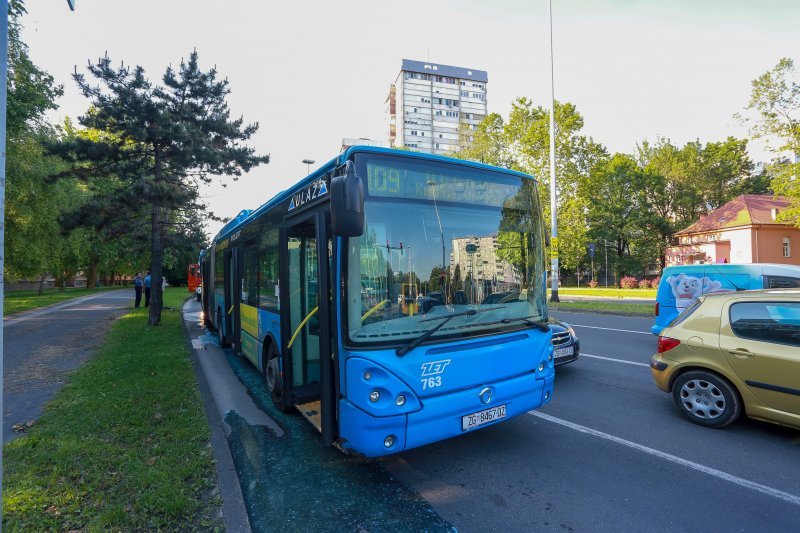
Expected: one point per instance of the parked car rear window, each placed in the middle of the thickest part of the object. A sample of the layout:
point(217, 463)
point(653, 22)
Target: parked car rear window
point(777, 322)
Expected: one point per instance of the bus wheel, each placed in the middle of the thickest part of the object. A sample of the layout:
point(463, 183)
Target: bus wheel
point(272, 373)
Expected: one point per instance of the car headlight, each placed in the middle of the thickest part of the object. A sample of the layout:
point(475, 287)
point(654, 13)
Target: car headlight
point(572, 332)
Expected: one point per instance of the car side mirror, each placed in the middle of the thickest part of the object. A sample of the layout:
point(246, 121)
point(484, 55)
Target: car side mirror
point(347, 203)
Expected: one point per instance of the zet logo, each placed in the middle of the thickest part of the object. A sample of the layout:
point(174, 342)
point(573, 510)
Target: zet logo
point(434, 368)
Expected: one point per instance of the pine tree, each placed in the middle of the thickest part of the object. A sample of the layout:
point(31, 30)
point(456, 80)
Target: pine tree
point(159, 143)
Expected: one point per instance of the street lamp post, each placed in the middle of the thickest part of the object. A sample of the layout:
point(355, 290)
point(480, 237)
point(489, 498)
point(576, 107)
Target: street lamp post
point(308, 163)
point(553, 218)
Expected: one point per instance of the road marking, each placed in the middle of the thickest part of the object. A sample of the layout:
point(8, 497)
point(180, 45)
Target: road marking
point(758, 487)
point(611, 329)
point(614, 360)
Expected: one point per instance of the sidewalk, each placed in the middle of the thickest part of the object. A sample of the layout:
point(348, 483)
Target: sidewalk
point(40, 351)
point(223, 394)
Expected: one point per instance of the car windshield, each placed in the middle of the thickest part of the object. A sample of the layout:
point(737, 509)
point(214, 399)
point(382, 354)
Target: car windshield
point(443, 238)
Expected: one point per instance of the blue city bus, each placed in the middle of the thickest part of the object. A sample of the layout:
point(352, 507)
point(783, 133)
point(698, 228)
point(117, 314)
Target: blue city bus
point(367, 295)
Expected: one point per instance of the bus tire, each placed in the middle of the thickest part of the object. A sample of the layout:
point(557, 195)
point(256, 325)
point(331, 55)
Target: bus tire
point(272, 375)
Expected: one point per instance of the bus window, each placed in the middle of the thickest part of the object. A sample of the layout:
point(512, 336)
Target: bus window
point(250, 279)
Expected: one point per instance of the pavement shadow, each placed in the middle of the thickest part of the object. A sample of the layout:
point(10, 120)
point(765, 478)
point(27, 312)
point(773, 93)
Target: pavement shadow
point(293, 482)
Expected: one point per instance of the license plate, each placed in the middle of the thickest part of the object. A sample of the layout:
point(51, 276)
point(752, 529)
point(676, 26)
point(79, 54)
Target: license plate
point(563, 352)
point(482, 417)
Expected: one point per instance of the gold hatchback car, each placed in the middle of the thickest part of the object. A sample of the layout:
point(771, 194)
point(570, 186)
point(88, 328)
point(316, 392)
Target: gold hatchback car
point(732, 352)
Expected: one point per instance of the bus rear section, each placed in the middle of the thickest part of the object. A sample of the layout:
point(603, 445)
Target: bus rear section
point(443, 313)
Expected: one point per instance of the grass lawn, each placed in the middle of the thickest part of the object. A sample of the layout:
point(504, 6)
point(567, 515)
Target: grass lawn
point(610, 292)
point(604, 307)
point(124, 445)
point(16, 301)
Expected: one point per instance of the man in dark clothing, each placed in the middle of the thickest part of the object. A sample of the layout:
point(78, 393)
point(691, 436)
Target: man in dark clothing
point(147, 290)
point(138, 284)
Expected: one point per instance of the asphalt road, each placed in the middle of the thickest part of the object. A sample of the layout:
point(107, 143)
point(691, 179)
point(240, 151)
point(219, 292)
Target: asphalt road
point(41, 347)
point(611, 452)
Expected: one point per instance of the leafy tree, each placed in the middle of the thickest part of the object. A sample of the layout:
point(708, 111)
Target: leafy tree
point(32, 237)
point(31, 90)
point(523, 143)
point(613, 194)
point(159, 143)
point(774, 115)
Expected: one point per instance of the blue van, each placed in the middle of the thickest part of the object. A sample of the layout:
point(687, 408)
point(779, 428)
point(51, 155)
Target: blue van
point(680, 286)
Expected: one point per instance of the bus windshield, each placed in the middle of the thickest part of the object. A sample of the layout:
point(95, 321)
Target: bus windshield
point(443, 238)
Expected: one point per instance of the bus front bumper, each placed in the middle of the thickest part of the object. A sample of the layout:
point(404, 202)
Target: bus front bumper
point(440, 417)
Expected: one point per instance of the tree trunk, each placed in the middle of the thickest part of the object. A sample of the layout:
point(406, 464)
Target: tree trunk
point(41, 284)
point(157, 252)
point(91, 275)
point(156, 266)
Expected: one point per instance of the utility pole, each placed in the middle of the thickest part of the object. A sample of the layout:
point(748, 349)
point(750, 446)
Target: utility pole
point(605, 247)
point(3, 106)
point(553, 217)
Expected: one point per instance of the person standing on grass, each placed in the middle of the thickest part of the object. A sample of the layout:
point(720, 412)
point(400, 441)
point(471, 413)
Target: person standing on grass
point(147, 290)
point(138, 284)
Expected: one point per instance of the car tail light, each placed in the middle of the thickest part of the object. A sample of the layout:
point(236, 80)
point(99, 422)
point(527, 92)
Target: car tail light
point(665, 344)
point(656, 308)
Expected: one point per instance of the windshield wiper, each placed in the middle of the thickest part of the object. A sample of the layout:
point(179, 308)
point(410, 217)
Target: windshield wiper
point(402, 350)
point(538, 324)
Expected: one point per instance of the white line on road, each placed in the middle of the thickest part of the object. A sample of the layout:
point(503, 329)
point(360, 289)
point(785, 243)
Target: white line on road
point(758, 487)
point(614, 360)
point(610, 329)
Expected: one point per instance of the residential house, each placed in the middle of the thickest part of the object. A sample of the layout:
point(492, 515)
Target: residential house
point(745, 230)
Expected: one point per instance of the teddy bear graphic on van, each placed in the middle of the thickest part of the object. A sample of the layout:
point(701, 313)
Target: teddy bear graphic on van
point(687, 289)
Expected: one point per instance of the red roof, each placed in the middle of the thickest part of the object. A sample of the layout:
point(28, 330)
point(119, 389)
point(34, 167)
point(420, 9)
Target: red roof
point(744, 210)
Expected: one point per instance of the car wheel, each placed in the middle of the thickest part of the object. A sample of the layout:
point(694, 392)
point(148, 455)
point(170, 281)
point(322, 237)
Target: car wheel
point(706, 398)
point(272, 373)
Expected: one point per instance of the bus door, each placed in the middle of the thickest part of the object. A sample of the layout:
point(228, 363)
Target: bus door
point(233, 288)
point(306, 252)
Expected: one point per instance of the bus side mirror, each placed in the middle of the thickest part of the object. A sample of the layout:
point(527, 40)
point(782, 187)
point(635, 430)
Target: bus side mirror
point(347, 203)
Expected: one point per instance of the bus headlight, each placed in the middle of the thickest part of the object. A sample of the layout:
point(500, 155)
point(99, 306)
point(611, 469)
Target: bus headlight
point(377, 391)
point(388, 441)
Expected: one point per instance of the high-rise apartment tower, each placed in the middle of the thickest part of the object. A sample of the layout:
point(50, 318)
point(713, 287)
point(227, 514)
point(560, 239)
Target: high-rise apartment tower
point(435, 108)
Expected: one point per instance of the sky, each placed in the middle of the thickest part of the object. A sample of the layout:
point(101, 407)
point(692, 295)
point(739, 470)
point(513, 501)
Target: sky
point(314, 72)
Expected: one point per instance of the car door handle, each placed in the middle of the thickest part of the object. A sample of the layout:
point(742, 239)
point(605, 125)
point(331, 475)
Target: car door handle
point(741, 352)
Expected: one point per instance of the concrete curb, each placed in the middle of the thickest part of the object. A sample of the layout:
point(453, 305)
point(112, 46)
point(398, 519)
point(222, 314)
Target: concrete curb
point(603, 312)
point(234, 512)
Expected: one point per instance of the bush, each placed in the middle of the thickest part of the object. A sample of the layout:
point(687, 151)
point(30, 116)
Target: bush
point(628, 282)
point(655, 282)
point(593, 284)
point(644, 284)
